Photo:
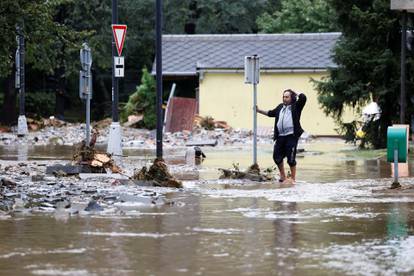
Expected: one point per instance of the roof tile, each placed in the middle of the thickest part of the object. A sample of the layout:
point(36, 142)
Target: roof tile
point(184, 54)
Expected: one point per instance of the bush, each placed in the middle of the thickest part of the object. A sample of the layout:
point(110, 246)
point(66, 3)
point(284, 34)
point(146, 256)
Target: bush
point(40, 104)
point(142, 101)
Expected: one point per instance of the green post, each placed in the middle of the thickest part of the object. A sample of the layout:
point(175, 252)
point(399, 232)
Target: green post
point(396, 149)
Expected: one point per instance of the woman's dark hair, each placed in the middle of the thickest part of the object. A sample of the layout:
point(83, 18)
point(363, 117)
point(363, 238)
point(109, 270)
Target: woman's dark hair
point(293, 95)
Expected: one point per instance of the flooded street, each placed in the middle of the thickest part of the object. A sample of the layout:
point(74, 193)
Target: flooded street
point(335, 221)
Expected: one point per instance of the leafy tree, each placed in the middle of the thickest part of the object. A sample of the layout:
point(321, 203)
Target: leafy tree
point(142, 101)
point(367, 58)
point(299, 16)
point(44, 39)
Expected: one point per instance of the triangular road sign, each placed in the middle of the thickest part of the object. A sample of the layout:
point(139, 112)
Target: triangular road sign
point(119, 32)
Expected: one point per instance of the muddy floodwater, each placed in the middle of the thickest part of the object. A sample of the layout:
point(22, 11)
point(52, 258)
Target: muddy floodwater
point(334, 221)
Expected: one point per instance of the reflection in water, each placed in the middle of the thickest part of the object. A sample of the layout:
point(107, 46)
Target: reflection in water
point(397, 221)
point(285, 236)
point(22, 152)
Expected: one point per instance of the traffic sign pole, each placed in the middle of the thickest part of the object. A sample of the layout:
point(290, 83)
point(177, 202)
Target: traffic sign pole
point(252, 73)
point(114, 141)
point(115, 97)
point(85, 85)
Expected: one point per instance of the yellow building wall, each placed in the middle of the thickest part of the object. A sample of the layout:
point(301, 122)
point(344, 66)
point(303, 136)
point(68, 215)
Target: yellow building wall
point(225, 96)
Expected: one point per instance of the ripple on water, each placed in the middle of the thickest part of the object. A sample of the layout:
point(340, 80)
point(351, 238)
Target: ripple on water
point(369, 257)
point(27, 252)
point(130, 234)
point(348, 191)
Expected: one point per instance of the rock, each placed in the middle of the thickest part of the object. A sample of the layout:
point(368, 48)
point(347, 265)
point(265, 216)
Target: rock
point(89, 191)
point(66, 169)
point(37, 177)
point(47, 205)
point(110, 198)
point(93, 206)
point(60, 173)
point(8, 183)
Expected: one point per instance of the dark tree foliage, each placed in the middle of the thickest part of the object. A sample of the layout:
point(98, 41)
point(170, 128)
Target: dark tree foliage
point(299, 16)
point(368, 60)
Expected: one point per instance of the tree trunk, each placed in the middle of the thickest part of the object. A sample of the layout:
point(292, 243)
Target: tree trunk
point(60, 73)
point(9, 109)
point(60, 93)
point(190, 25)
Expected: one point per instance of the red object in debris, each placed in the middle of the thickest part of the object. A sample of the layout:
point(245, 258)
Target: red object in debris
point(180, 114)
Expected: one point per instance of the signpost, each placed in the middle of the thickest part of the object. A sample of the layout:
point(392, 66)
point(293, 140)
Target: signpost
point(119, 33)
point(22, 129)
point(85, 85)
point(251, 75)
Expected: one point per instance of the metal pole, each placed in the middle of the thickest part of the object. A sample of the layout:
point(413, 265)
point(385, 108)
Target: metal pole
point(115, 97)
point(403, 66)
point(88, 117)
point(254, 123)
point(159, 75)
point(22, 74)
point(395, 166)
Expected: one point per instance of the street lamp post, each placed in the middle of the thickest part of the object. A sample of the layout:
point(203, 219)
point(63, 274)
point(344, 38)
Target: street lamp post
point(159, 76)
point(405, 6)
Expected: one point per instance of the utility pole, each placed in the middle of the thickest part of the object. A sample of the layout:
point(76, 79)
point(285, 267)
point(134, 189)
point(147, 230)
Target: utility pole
point(159, 76)
point(405, 7)
point(20, 82)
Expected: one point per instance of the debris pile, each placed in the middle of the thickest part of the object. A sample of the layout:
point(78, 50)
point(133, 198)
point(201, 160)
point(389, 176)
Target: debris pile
point(209, 123)
point(252, 173)
point(134, 121)
point(4, 129)
point(87, 155)
point(26, 189)
point(35, 125)
point(102, 124)
point(158, 174)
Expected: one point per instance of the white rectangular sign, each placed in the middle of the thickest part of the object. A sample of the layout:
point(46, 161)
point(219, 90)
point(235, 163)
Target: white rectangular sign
point(251, 69)
point(119, 67)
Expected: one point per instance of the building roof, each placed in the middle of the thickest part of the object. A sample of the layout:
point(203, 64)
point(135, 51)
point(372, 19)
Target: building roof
point(184, 54)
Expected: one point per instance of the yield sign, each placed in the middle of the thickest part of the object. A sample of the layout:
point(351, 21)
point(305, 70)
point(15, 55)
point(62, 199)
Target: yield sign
point(119, 32)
